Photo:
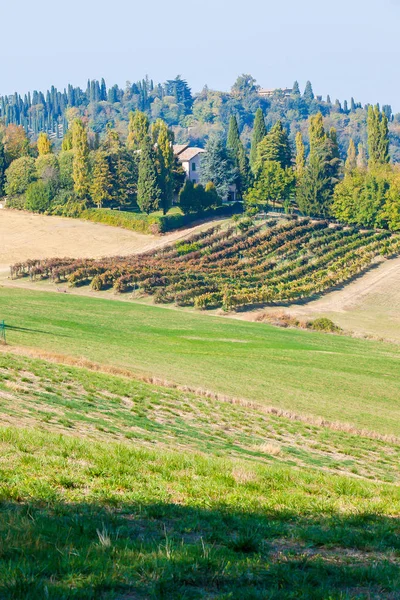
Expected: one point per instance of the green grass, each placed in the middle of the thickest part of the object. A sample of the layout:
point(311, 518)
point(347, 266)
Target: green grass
point(99, 406)
point(115, 489)
point(334, 377)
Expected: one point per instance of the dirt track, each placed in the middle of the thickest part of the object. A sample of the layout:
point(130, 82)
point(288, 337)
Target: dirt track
point(26, 235)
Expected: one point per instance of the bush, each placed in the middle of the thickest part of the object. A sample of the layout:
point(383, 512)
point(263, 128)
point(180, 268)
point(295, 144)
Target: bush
point(19, 175)
point(38, 197)
point(17, 202)
point(324, 324)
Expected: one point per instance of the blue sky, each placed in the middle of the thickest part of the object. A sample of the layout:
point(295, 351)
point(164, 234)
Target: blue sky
point(344, 47)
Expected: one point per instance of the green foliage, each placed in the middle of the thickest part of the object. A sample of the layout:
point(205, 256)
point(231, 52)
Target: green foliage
point(149, 192)
point(2, 167)
point(259, 132)
point(272, 184)
point(300, 155)
point(313, 194)
point(38, 197)
point(324, 324)
point(81, 159)
point(217, 166)
point(66, 166)
point(101, 180)
point(138, 128)
point(194, 198)
point(378, 136)
point(275, 147)
point(19, 175)
point(351, 160)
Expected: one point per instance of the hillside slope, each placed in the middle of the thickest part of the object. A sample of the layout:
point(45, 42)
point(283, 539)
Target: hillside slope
point(116, 489)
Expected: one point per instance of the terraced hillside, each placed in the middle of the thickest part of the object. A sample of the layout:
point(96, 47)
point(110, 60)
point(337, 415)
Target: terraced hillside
point(115, 488)
point(231, 268)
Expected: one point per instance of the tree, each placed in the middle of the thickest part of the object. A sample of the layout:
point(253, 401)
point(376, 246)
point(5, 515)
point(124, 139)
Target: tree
point(43, 144)
point(66, 166)
point(378, 136)
point(48, 171)
point(300, 155)
point(138, 128)
point(234, 144)
point(308, 92)
point(244, 85)
point(259, 132)
point(351, 160)
point(274, 146)
point(314, 192)
point(101, 187)
point(362, 162)
point(194, 198)
point(16, 143)
point(81, 160)
point(38, 197)
point(296, 89)
point(19, 175)
point(217, 165)
point(274, 183)
point(317, 133)
point(346, 197)
point(2, 167)
point(149, 193)
point(165, 165)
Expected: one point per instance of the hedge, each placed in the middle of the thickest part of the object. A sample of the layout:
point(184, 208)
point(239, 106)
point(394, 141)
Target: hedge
point(155, 223)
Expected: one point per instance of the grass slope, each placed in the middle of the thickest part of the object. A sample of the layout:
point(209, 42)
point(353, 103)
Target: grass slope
point(335, 377)
point(158, 493)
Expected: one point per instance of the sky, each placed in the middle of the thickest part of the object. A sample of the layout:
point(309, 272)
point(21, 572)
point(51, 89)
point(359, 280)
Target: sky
point(345, 48)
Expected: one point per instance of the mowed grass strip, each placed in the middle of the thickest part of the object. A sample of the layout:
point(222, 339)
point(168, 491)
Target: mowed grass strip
point(80, 402)
point(82, 519)
point(335, 377)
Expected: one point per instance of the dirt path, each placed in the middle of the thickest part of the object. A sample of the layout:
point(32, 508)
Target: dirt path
point(26, 235)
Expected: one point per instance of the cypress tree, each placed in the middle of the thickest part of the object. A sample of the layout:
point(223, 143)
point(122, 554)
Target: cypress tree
point(81, 159)
point(233, 139)
point(378, 136)
point(259, 132)
point(102, 180)
point(316, 132)
point(138, 128)
point(149, 193)
point(296, 89)
point(2, 167)
point(165, 166)
point(351, 160)
point(308, 92)
point(300, 155)
point(362, 162)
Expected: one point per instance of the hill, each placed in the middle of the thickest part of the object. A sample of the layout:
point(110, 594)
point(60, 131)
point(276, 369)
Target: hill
point(117, 488)
point(334, 377)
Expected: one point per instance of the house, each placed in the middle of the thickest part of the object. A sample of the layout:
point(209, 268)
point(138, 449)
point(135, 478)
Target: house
point(190, 159)
point(268, 93)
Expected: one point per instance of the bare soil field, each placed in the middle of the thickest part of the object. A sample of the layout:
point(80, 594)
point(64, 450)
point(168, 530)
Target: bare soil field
point(368, 306)
point(25, 235)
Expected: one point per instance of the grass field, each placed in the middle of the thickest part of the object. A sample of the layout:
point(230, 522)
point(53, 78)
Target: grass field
point(112, 488)
point(335, 377)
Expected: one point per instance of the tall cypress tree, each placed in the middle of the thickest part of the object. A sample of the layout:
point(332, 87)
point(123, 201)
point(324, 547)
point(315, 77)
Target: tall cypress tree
point(165, 166)
point(316, 133)
point(351, 160)
point(234, 144)
point(300, 155)
point(81, 159)
point(308, 92)
point(101, 187)
point(259, 132)
point(378, 136)
point(138, 128)
point(2, 167)
point(148, 193)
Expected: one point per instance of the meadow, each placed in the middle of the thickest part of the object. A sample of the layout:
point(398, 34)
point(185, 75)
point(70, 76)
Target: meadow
point(334, 377)
point(114, 488)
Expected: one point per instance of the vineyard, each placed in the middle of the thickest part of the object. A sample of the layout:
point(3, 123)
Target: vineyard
point(229, 268)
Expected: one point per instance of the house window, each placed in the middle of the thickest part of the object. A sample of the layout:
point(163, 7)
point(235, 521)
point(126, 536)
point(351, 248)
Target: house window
point(193, 166)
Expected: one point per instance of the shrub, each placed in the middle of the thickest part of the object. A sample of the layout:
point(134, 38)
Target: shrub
point(38, 197)
point(19, 175)
point(324, 324)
